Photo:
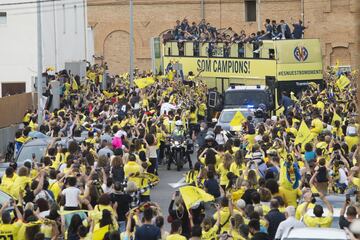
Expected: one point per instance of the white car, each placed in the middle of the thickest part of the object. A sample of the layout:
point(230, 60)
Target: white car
point(315, 234)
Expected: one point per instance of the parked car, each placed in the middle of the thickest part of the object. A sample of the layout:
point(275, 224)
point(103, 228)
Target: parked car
point(38, 147)
point(4, 197)
point(315, 234)
point(337, 201)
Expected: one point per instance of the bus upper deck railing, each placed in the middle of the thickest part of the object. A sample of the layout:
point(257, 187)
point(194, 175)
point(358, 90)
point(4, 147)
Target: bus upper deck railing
point(249, 50)
point(256, 50)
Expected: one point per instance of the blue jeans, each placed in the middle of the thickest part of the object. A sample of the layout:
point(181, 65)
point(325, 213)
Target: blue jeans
point(122, 226)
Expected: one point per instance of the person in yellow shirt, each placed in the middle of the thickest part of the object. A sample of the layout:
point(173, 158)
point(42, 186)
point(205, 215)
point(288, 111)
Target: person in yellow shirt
point(238, 166)
point(20, 182)
point(132, 169)
point(209, 231)
point(319, 220)
point(176, 230)
point(223, 169)
point(225, 215)
point(8, 180)
point(9, 230)
point(316, 125)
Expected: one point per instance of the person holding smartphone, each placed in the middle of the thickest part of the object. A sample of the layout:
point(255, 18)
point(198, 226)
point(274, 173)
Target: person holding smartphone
point(351, 213)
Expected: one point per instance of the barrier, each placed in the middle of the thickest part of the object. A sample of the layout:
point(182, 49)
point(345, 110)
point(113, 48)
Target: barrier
point(13, 108)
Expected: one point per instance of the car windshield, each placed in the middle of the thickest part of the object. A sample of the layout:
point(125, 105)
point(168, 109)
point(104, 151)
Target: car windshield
point(27, 151)
point(227, 116)
point(4, 197)
point(246, 98)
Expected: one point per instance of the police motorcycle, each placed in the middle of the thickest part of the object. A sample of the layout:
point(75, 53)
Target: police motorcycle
point(181, 147)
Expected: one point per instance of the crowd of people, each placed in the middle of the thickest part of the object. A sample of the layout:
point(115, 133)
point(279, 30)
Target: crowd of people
point(205, 32)
point(263, 181)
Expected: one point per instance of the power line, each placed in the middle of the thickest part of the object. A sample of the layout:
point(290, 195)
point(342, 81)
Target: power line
point(23, 3)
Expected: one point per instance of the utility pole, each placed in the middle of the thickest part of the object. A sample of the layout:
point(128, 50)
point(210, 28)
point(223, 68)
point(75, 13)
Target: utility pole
point(259, 14)
point(39, 62)
point(131, 73)
point(202, 13)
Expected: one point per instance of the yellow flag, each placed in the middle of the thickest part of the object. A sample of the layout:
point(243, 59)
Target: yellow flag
point(342, 82)
point(144, 82)
point(293, 97)
point(320, 105)
point(193, 195)
point(99, 234)
point(304, 134)
point(336, 117)
point(74, 85)
point(237, 120)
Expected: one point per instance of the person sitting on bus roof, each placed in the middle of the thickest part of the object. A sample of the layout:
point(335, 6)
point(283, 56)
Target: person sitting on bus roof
point(298, 30)
point(285, 30)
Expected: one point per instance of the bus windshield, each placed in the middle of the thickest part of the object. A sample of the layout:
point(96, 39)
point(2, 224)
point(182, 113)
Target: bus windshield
point(249, 98)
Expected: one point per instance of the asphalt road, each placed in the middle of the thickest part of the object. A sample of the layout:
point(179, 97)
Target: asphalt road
point(162, 193)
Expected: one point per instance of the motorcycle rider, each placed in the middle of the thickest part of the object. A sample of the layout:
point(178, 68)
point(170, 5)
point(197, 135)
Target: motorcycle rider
point(179, 135)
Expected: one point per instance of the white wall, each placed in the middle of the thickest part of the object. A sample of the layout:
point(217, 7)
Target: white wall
point(18, 44)
point(64, 33)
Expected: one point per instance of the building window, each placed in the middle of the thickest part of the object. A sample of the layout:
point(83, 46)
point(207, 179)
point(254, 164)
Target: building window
point(3, 17)
point(250, 10)
point(8, 89)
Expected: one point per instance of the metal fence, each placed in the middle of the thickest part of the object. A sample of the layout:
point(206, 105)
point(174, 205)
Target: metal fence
point(6, 135)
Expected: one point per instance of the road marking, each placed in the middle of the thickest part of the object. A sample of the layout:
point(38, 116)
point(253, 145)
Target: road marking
point(179, 183)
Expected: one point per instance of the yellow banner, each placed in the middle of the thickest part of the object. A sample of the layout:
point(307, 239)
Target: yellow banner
point(225, 67)
point(193, 195)
point(237, 120)
point(342, 82)
point(304, 134)
point(298, 51)
point(144, 82)
point(304, 71)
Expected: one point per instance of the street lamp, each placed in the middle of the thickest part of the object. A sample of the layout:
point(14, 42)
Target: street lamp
point(39, 62)
point(131, 73)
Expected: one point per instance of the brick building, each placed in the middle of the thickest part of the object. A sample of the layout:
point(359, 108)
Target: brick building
point(335, 22)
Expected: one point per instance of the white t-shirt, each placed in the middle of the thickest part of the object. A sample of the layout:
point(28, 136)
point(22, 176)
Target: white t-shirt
point(71, 196)
point(342, 176)
point(166, 107)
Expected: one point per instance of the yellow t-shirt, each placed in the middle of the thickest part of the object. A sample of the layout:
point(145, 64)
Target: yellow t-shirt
point(351, 141)
point(202, 109)
point(175, 237)
point(290, 195)
point(356, 181)
point(193, 118)
point(10, 231)
point(300, 208)
point(210, 234)
point(322, 222)
point(317, 126)
point(19, 185)
point(224, 217)
point(235, 169)
point(223, 174)
point(236, 235)
point(55, 188)
point(7, 183)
